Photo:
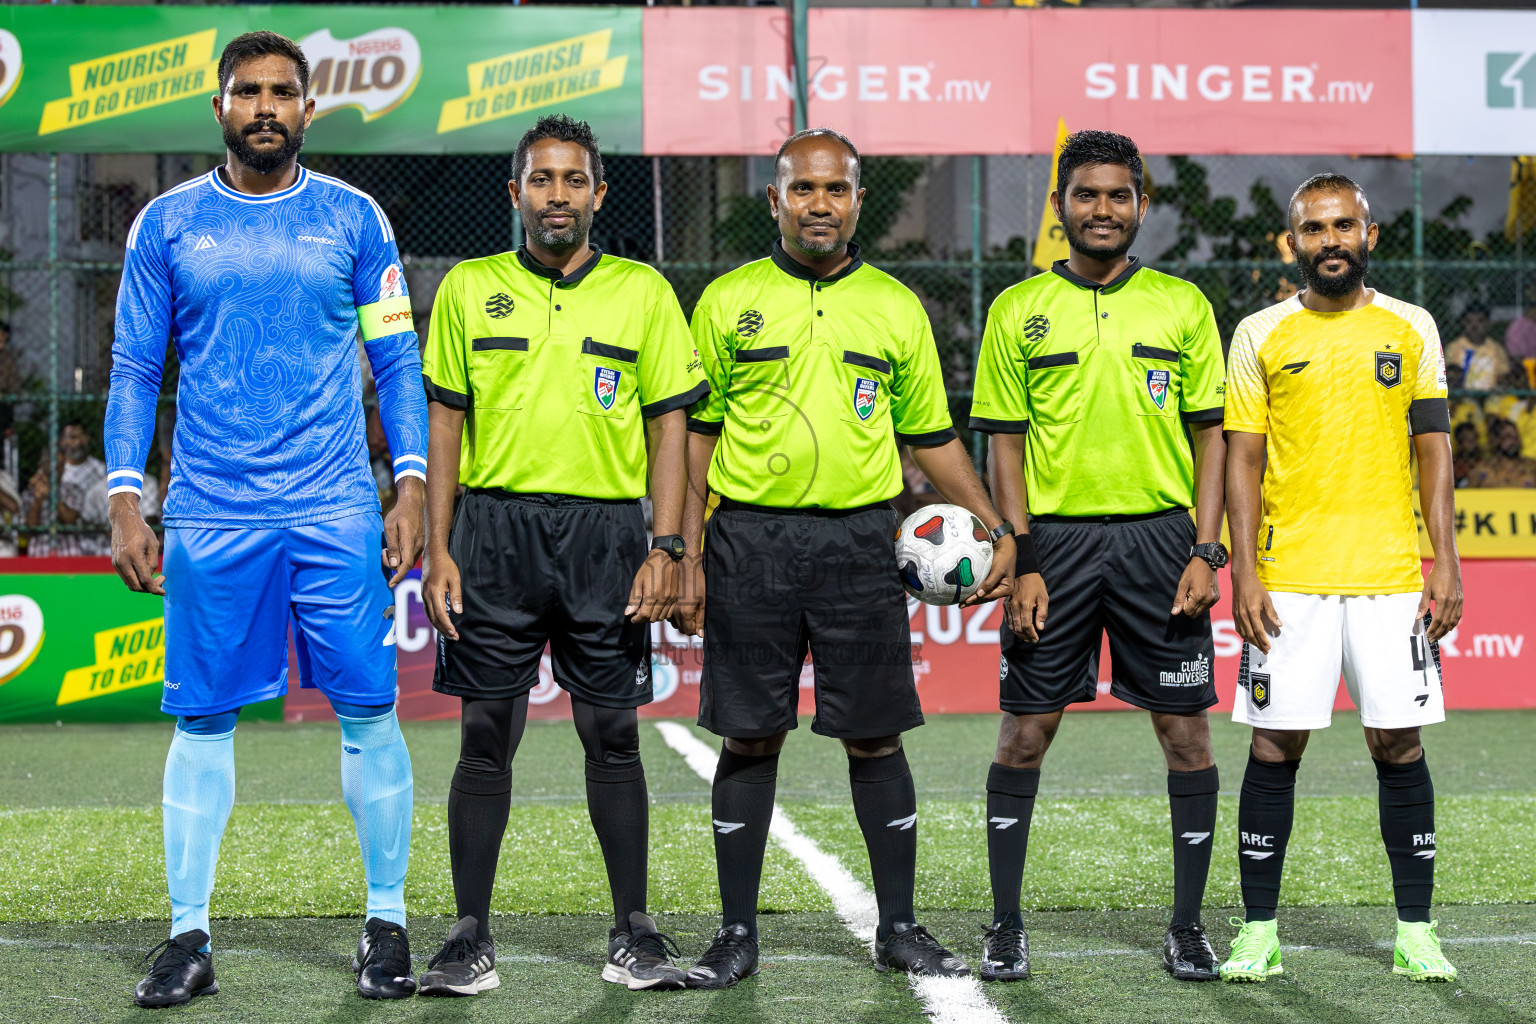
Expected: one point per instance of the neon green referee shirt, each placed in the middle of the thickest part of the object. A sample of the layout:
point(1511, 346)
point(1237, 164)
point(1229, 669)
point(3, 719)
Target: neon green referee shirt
point(558, 374)
point(813, 382)
point(1104, 379)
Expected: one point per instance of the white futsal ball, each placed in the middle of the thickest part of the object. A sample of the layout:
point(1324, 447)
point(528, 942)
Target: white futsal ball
point(943, 554)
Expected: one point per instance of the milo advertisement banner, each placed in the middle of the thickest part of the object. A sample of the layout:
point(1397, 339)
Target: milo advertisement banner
point(385, 79)
point(83, 648)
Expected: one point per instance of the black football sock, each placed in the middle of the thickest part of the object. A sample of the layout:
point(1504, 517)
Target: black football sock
point(478, 800)
point(1264, 816)
point(1192, 808)
point(1010, 805)
point(1406, 798)
point(742, 804)
point(885, 803)
point(477, 819)
point(620, 809)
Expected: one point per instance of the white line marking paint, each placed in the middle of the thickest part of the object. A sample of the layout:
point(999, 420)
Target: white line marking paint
point(945, 1000)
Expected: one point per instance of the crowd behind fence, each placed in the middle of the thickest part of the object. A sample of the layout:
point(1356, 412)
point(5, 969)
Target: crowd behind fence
point(957, 230)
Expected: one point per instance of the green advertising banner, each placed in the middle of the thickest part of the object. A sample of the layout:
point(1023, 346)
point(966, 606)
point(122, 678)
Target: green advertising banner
point(385, 79)
point(84, 648)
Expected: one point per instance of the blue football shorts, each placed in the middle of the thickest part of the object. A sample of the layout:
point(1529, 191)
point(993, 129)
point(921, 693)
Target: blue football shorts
point(230, 594)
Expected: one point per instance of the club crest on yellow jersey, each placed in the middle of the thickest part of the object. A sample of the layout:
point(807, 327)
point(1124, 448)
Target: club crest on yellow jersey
point(1389, 368)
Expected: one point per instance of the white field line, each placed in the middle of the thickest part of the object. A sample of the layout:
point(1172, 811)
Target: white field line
point(945, 1000)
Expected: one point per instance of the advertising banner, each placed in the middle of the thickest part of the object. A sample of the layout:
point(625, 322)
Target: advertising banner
point(956, 657)
point(76, 645)
point(385, 79)
point(998, 81)
point(1474, 81)
point(1490, 523)
point(81, 647)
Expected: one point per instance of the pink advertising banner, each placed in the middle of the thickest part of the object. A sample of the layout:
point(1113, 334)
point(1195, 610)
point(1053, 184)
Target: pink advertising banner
point(995, 82)
point(955, 657)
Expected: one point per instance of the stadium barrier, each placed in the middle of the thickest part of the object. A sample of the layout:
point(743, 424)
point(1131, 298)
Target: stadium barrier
point(76, 645)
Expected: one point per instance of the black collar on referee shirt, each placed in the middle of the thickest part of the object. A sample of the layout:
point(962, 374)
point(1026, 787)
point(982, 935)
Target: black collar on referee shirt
point(533, 266)
point(1060, 267)
point(794, 268)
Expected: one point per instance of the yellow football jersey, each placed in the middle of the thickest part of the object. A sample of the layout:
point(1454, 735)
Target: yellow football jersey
point(1337, 396)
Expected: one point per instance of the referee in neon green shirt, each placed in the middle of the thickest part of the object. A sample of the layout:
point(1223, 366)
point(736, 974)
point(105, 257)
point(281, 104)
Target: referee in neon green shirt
point(558, 379)
point(818, 365)
point(1102, 383)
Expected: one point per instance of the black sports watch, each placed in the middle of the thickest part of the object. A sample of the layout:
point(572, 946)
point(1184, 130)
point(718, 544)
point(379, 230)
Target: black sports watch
point(672, 544)
point(1002, 530)
point(1213, 554)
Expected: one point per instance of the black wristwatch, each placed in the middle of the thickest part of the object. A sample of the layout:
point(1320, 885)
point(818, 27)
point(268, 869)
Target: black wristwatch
point(1213, 554)
point(672, 544)
point(1003, 529)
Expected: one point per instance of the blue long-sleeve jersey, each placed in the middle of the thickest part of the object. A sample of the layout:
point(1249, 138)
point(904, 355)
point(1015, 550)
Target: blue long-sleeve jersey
point(264, 297)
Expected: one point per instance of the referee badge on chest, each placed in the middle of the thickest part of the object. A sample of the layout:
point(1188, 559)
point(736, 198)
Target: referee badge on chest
point(864, 391)
point(1389, 368)
point(605, 385)
point(1157, 387)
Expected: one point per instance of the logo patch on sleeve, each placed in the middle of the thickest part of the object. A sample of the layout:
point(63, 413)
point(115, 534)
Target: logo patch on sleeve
point(391, 282)
point(864, 391)
point(605, 385)
point(1157, 386)
point(1389, 368)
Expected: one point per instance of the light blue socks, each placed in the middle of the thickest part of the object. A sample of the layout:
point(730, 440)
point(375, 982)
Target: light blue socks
point(376, 781)
point(197, 792)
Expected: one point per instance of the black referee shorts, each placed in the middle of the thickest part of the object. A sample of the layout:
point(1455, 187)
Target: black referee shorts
point(781, 582)
point(1118, 573)
point(546, 568)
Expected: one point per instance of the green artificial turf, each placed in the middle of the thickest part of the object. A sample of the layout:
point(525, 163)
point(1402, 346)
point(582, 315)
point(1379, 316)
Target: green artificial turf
point(82, 888)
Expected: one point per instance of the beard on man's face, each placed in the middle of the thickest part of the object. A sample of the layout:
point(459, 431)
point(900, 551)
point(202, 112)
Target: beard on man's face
point(1078, 240)
point(263, 161)
point(557, 239)
point(1334, 285)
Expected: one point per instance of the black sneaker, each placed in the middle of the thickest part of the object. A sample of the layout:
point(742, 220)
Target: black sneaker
point(1187, 954)
point(731, 957)
point(383, 962)
point(1004, 954)
point(463, 967)
point(182, 970)
point(912, 949)
point(638, 958)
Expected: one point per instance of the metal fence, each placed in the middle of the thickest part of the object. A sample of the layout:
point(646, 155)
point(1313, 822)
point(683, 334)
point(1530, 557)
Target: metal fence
point(957, 230)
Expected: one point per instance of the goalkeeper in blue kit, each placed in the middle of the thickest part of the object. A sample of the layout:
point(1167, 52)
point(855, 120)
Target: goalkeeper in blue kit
point(263, 273)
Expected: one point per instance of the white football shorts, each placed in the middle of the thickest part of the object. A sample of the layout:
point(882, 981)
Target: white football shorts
point(1375, 640)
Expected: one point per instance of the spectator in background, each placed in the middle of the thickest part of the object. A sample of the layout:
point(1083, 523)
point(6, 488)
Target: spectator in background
point(1520, 338)
point(1468, 452)
point(79, 473)
point(1483, 360)
point(1505, 466)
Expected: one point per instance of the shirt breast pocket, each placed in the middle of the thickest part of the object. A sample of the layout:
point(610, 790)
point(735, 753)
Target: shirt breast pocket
point(608, 373)
point(1055, 382)
point(497, 368)
point(1157, 380)
point(866, 395)
point(760, 383)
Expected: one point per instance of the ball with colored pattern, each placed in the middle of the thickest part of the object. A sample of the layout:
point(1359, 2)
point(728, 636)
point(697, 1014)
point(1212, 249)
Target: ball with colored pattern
point(943, 554)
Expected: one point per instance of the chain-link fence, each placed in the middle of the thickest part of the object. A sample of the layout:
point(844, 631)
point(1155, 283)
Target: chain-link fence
point(957, 230)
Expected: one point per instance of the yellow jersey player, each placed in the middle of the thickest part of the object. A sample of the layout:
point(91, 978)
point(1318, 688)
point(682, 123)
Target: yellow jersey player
point(1325, 393)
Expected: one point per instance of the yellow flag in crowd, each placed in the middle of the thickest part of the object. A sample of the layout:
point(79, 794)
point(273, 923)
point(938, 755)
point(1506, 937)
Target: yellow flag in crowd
point(1051, 245)
point(1522, 198)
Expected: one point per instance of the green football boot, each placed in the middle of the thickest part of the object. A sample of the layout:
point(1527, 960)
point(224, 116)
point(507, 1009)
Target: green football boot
point(1417, 953)
point(1255, 952)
